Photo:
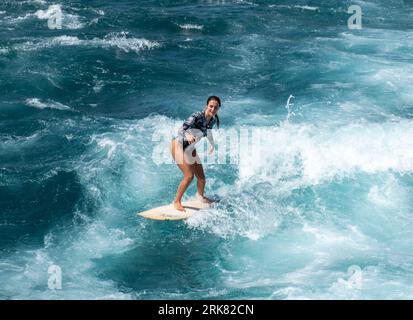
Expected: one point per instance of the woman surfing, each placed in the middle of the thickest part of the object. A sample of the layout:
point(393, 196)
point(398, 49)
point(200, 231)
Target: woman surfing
point(197, 126)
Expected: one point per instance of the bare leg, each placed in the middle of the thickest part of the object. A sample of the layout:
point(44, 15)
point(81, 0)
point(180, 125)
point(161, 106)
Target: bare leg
point(179, 156)
point(200, 178)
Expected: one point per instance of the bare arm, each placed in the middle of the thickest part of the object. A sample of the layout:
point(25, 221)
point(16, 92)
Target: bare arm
point(210, 138)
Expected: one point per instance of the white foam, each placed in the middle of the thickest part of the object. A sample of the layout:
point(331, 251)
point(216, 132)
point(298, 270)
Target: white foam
point(191, 26)
point(47, 14)
point(15, 20)
point(316, 154)
point(125, 43)
point(389, 194)
point(116, 40)
point(37, 103)
point(98, 86)
point(329, 240)
point(4, 50)
point(381, 196)
point(141, 178)
point(307, 8)
point(99, 12)
point(72, 22)
point(36, 1)
point(241, 216)
point(69, 21)
point(246, 2)
point(26, 277)
point(98, 239)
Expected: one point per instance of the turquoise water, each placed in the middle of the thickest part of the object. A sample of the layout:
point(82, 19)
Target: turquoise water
point(82, 108)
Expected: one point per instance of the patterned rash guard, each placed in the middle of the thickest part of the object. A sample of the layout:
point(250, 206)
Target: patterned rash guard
point(196, 125)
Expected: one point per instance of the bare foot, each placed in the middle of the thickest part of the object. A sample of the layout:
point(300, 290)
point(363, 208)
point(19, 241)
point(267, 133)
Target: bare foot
point(208, 200)
point(178, 206)
point(204, 199)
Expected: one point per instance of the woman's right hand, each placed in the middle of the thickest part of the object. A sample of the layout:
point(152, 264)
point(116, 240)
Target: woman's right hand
point(191, 138)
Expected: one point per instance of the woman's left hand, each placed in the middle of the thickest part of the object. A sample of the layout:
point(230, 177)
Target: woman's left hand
point(211, 149)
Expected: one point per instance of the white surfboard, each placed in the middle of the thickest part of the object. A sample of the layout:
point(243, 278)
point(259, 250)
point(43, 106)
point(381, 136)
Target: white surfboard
point(168, 212)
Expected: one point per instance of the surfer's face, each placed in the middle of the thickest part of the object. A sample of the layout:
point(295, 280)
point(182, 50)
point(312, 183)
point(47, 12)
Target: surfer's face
point(212, 108)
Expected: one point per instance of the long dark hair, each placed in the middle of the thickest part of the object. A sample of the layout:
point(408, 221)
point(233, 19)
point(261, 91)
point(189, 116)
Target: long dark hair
point(217, 99)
